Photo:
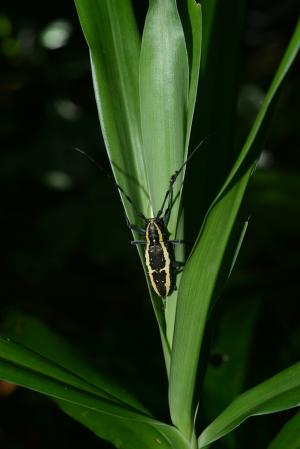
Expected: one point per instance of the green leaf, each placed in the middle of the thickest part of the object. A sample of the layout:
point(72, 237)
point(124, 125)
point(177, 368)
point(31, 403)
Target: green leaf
point(123, 433)
point(27, 368)
point(191, 17)
point(28, 360)
point(107, 418)
point(33, 335)
point(196, 291)
point(111, 33)
point(195, 17)
point(204, 268)
point(289, 435)
point(164, 84)
point(278, 393)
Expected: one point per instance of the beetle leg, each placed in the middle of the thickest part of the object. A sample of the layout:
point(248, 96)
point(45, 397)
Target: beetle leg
point(166, 216)
point(138, 242)
point(177, 266)
point(176, 242)
point(137, 229)
point(134, 227)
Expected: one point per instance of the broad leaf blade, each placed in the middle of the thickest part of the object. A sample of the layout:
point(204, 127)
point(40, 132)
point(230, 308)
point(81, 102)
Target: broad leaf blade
point(24, 365)
point(164, 84)
point(195, 16)
point(28, 360)
point(124, 433)
point(111, 33)
point(191, 17)
point(44, 377)
point(205, 265)
point(197, 288)
point(289, 435)
point(109, 419)
point(32, 334)
point(278, 393)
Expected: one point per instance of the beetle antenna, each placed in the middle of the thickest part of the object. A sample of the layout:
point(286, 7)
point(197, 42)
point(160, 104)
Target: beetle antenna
point(175, 176)
point(124, 194)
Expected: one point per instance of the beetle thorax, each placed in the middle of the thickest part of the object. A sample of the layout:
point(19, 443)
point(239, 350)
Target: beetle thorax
point(154, 231)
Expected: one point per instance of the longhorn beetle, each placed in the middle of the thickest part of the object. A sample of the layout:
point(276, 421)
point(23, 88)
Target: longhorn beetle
point(159, 255)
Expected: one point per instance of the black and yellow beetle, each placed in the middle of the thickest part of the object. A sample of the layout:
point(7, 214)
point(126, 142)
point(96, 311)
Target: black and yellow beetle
point(159, 255)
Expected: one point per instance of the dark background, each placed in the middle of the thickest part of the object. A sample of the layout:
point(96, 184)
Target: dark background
point(65, 249)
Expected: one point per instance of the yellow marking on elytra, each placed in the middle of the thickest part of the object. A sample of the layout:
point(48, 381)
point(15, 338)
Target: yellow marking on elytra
point(149, 269)
point(147, 260)
point(167, 268)
point(147, 233)
point(166, 257)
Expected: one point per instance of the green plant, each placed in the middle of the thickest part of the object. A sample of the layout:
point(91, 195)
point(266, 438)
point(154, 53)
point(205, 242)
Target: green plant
point(146, 95)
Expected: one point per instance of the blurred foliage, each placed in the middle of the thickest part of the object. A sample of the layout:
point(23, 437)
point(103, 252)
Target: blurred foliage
point(65, 246)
